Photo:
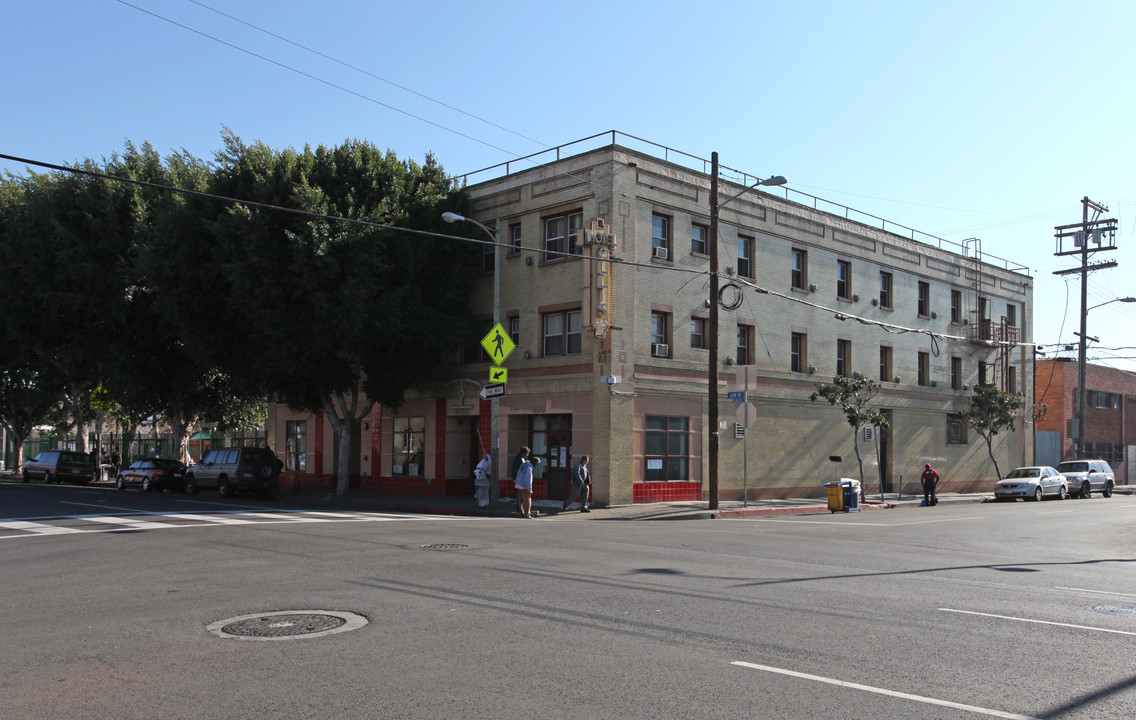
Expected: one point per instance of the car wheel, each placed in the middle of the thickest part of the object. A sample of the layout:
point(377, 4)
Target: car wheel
point(1107, 492)
point(1037, 494)
point(190, 486)
point(120, 483)
point(1086, 489)
point(1063, 494)
point(46, 478)
point(224, 489)
point(25, 474)
point(146, 486)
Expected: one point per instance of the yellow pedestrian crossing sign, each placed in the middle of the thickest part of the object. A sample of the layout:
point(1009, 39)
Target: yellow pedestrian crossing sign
point(498, 374)
point(498, 344)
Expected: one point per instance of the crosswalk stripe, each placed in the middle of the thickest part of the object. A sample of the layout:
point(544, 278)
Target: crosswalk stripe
point(128, 522)
point(37, 528)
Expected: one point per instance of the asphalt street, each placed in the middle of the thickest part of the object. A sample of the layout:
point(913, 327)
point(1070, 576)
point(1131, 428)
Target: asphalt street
point(961, 611)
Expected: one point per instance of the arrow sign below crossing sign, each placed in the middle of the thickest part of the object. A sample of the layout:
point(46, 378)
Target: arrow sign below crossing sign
point(491, 391)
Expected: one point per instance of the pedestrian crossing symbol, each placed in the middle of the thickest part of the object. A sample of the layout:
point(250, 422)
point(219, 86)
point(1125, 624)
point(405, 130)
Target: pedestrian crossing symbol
point(498, 344)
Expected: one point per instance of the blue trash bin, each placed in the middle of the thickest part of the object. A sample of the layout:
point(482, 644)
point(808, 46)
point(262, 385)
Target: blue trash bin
point(851, 497)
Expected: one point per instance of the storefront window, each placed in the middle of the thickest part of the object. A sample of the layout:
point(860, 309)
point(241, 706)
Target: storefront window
point(296, 443)
point(667, 448)
point(409, 446)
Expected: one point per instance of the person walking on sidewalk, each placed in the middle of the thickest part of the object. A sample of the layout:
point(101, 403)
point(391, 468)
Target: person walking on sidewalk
point(481, 477)
point(930, 480)
point(581, 482)
point(524, 484)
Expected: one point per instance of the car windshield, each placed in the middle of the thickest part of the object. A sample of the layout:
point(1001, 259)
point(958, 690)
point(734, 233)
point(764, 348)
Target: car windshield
point(163, 464)
point(1025, 473)
point(1073, 467)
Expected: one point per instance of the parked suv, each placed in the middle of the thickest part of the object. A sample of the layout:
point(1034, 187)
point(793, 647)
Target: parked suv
point(236, 469)
point(60, 465)
point(1087, 476)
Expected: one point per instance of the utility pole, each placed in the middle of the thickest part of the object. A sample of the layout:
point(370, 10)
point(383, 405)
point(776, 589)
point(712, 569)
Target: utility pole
point(712, 398)
point(1102, 235)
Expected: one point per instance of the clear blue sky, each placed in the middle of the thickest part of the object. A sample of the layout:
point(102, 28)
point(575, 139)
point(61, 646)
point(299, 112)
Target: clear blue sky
point(960, 119)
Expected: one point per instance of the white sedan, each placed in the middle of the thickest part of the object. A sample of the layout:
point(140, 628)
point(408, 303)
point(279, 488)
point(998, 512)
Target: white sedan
point(1031, 483)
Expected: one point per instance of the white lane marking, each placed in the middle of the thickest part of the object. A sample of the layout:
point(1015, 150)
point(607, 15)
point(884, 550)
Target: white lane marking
point(128, 522)
point(37, 528)
point(218, 519)
point(1038, 622)
point(883, 691)
point(1096, 592)
point(813, 522)
point(103, 506)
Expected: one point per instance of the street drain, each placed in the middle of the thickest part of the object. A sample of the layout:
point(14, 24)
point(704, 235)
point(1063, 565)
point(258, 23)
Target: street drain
point(287, 625)
point(444, 546)
point(1125, 611)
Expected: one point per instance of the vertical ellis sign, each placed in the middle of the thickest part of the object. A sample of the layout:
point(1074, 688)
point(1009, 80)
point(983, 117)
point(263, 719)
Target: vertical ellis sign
point(601, 245)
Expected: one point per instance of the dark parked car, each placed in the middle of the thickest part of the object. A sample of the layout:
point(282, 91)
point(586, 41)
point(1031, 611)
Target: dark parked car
point(59, 465)
point(233, 470)
point(153, 474)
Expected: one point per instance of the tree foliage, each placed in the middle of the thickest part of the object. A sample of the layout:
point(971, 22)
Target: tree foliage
point(991, 411)
point(195, 309)
point(853, 395)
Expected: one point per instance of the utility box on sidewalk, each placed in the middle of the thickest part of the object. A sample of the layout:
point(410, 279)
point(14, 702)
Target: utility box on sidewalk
point(835, 496)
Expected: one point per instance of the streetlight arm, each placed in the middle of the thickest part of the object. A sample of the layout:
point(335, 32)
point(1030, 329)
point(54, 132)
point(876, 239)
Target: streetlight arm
point(1107, 302)
point(775, 180)
point(454, 217)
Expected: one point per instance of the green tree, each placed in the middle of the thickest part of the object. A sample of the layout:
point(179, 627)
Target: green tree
point(334, 316)
point(991, 411)
point(853, 395)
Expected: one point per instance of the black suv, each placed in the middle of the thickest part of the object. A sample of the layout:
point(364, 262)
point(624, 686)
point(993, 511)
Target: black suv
point(235, 469)
point(60, 465)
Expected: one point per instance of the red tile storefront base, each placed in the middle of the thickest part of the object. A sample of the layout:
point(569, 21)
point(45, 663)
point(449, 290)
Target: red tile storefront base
point(648, 492)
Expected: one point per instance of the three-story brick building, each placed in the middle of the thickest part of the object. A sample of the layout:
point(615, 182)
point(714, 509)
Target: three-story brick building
point(606, 275)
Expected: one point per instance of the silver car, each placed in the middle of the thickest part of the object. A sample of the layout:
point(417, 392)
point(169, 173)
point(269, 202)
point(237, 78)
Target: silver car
point(1031, 483)
point(1087, 476)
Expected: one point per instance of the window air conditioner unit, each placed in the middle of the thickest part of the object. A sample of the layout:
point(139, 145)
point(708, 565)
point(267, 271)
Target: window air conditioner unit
point(934, 383)
point(875, 302)
point(812, 288)
point(660, 350)
point(855, 298)
point(661, 253)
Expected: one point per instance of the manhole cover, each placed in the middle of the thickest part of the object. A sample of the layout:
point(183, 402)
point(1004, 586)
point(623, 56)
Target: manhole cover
point(287, 625)
point(444, 546)
point(1127, 611)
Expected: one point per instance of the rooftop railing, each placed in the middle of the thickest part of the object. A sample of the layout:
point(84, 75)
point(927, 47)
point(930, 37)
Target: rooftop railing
point(613, 138)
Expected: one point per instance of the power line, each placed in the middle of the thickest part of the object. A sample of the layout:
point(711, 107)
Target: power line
point(367, 73)
point(318, 79)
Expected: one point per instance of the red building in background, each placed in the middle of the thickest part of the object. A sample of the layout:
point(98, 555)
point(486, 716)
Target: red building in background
point(1110, 434)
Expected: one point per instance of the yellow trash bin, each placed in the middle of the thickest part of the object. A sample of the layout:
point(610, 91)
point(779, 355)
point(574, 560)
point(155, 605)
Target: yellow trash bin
point(835, 496)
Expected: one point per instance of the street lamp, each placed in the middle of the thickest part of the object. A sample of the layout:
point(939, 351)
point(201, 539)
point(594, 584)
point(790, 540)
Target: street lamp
point(712, 408)
point(1081, 351)
point(495, 417)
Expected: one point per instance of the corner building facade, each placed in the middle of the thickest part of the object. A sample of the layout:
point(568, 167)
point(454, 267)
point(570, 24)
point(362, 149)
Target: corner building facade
point(604, 289)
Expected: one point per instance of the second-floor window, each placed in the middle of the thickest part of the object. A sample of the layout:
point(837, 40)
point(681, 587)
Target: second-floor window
point(515, 237)
point(885, 364)
point(660, 342)
point(844, 357)
point(956, 307)
point(745, 344)
point(924, 368)
point(924, 299)
point(562, 333)
point(885, 290)
point(956, 373)
point(562, 234)
point(798, 352)
point(698, 333)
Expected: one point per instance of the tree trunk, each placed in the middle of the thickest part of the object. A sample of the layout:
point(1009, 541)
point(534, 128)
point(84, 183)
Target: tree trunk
point(343, 412)
point(859, 460)
point(990, 449)
point(179, 426)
